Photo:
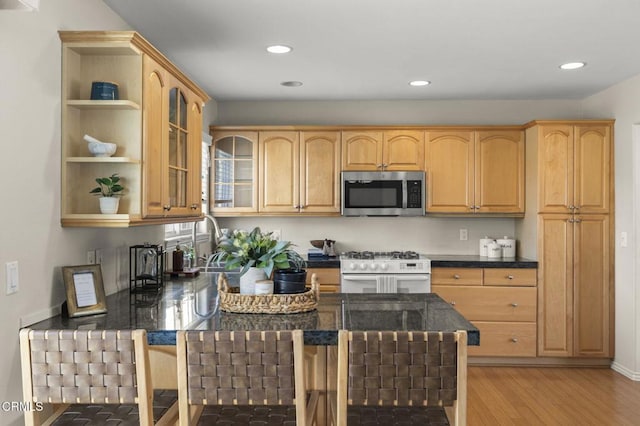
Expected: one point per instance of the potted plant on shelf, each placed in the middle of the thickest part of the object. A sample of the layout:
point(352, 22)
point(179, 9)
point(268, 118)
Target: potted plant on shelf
point(258, 254)
point(109, 189)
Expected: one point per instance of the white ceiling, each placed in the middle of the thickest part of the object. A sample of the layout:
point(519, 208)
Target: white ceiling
point(371, 49)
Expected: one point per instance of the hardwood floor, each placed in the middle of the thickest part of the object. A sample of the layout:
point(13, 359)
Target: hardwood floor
point(551, 396)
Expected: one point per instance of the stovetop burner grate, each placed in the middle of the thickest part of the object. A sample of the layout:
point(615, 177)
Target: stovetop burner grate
point(381, 255)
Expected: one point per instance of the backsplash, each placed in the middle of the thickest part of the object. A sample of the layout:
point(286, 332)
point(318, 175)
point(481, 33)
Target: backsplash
point(435, 235)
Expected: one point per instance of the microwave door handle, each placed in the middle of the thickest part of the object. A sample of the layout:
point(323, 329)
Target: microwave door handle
point(404, 194)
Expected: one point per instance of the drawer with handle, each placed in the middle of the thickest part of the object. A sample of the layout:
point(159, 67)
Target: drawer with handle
point(505, 339)
point(491, 303)
point(456, 276)
point(510, 277)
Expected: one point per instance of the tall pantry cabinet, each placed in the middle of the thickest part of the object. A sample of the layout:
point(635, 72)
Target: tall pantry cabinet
point(570, 165)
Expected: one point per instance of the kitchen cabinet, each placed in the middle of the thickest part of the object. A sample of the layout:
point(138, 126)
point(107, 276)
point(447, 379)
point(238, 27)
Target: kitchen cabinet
point(575, 291)
point(575, 168)
point(475, 171)
point(299, 172)
point(383, 150)
point(501, 302)
point(138, 122)
point(234, 172)
point(572, 221)
point(329, 279)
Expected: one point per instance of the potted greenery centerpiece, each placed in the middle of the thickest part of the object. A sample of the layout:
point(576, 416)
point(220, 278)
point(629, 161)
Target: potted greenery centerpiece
point(108, 189)
point(292, 279)
point(258, 254)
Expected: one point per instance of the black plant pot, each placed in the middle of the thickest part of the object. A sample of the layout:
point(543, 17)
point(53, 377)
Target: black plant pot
point(289, 281)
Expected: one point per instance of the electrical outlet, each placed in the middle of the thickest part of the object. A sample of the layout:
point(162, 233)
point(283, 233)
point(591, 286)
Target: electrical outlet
point(624, 239)
point(91, 257)
point(99, 256)
point(12, 277)
point(464, 235)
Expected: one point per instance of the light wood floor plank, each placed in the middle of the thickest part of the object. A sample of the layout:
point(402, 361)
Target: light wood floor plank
point(507, 396)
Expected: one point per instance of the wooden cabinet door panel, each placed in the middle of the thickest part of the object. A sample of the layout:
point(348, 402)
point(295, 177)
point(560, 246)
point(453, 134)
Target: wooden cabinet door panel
point(505, 339)
point(592, 168)
point(279, 171)
point(555, 168)
point(499, 172)
point(592, 293)
point(155, 118)
point(403, 150)
point(555, 285)
point(491, 303)
point(361, 150)
point(450, 174)
point(320, 172)
point(329, 279)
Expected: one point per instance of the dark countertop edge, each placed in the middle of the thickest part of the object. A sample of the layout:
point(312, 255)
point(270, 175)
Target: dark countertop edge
point(472, 261)
point(329, 262)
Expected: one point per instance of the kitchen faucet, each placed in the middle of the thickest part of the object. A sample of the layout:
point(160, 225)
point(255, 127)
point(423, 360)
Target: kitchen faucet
point(217, 235)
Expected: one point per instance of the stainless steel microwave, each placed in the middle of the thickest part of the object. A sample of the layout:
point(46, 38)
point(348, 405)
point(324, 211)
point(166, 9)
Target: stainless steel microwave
point(383, 193)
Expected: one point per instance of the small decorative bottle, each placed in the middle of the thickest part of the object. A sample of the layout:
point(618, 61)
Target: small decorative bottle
point(178, 258)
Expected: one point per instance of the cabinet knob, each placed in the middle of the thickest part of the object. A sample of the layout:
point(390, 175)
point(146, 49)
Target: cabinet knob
point(167, 207)
point(452, 303)
point(509, 277)
point(194, 206)
point(571, 207)
point(571, 220)
point(577, 207)
point(514, 340)
point(456, 277)
point(578, 220)
point(514, 304)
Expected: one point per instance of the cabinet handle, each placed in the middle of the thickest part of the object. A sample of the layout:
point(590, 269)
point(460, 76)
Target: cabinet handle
point(509, 277)
point(452, 303)
point(167, 207)
point(515, 305)
point(571, 220)
point(578, 220)
point(577, 207)
point(194, 206)
point(379, 166)
point(456, 277)
point(514, 340)
point(571, 207)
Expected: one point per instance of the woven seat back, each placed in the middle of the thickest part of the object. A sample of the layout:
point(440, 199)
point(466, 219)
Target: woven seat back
point(252, 367)
point(78, 366)
point(402, 368)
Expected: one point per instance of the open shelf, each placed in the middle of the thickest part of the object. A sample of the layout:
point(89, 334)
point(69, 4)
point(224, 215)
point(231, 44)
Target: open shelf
point(97, 104)
point(125, 160)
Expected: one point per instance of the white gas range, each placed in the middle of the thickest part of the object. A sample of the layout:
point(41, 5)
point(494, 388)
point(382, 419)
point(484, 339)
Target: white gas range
point(385, 272)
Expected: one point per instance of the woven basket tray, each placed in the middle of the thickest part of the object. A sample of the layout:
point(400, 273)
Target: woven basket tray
point(232, 301)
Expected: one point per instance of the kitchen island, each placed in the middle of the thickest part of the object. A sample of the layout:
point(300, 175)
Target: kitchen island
point(192, 304)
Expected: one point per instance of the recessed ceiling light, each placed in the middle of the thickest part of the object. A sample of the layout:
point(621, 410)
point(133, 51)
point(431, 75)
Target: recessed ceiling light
point(279, 48)
point(418, 83)
point(572, 65)
point(291, 83)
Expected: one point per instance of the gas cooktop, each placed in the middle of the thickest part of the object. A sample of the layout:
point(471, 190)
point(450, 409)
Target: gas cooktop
point(381, 255)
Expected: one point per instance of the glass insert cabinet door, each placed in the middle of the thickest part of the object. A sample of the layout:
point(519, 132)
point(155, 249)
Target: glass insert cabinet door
point(178, 148)
point(234, 172)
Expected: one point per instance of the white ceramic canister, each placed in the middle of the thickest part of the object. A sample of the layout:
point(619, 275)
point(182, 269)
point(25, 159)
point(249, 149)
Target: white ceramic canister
point(264, 287)
point(494, 251)
point(508, 246)
point(484, 244)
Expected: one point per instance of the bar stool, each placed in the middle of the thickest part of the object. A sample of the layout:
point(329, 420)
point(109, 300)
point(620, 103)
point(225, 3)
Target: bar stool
point(243, 376)
point(95, 368)
point(385, 376)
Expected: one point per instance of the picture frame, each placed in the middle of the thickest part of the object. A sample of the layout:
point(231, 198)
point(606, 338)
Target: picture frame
point(85, 290)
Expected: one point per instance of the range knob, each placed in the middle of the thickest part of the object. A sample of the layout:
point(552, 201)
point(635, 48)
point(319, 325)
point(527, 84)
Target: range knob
point(374, 266)
point(363, 266)
point(384, 266)
point(352, 266)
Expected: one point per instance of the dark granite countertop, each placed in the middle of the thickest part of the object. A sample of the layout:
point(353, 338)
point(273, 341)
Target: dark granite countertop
point(475, 261)
point(192, 304)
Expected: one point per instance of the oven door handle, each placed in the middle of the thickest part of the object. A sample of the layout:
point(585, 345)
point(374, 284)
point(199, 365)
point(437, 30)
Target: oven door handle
point(360, 277)
point(404, 193)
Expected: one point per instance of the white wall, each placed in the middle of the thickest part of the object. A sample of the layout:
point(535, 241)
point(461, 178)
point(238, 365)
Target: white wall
point(30, 230)
point(622, 102)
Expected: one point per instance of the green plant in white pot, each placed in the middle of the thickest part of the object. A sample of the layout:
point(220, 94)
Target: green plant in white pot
point(257, 254)
point(109, 189)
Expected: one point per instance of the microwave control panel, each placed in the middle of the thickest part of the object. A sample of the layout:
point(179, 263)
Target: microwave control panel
point(414, 194)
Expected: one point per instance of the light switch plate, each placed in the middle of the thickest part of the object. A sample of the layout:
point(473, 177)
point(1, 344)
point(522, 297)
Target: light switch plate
point(624, 239)
point(12, 277)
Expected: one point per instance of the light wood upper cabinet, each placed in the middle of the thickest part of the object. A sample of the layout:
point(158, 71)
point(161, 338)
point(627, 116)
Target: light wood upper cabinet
point(475, 172)
point(161, 178)
point(279, 183)
point(234, 172)
point(320, 172)
point(383, 150)
point(299, 172)
point(499, 172)
point(574, 161)
point(361, 150)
